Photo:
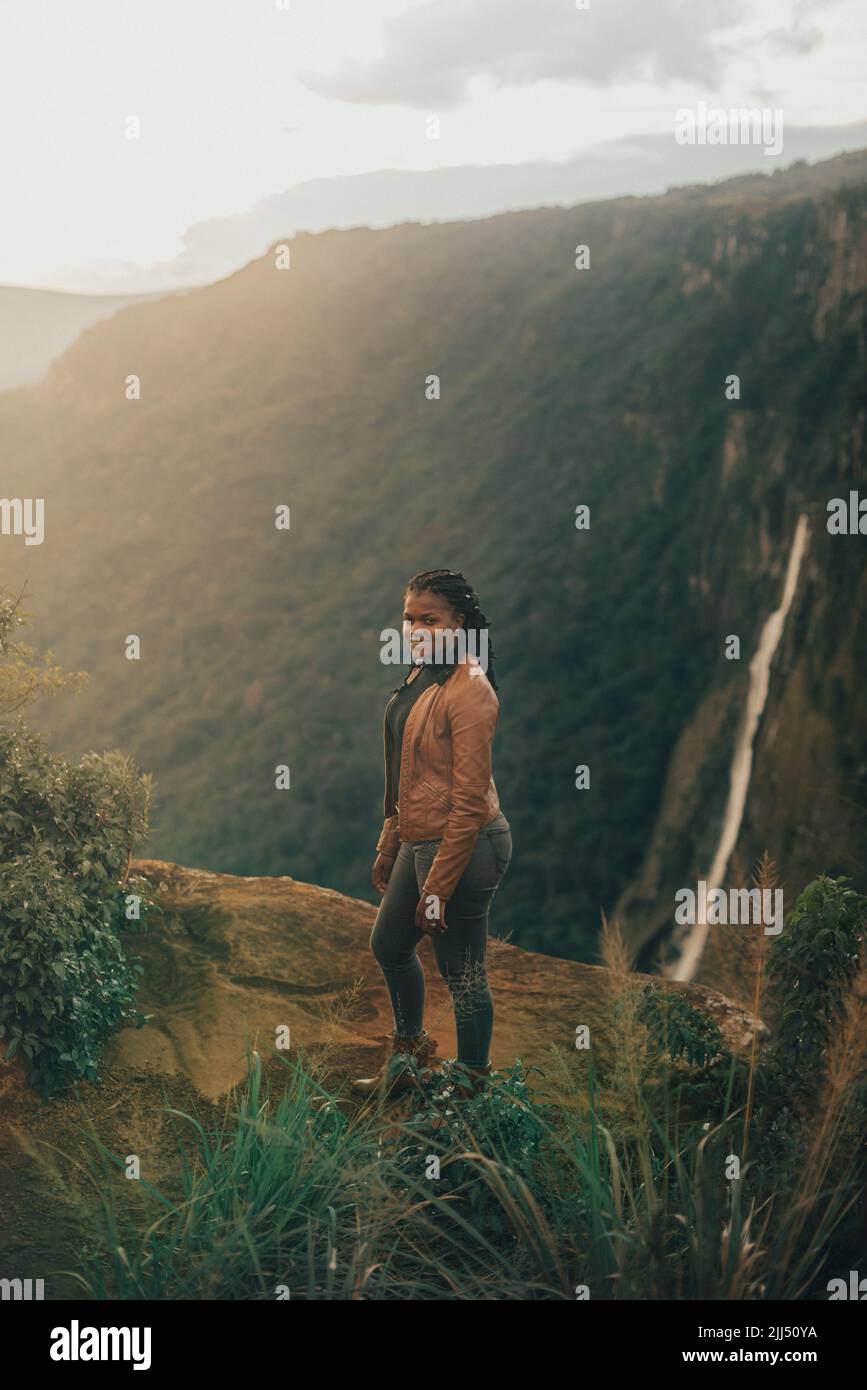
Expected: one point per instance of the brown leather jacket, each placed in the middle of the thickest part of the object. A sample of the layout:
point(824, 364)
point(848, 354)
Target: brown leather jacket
point(447, 790)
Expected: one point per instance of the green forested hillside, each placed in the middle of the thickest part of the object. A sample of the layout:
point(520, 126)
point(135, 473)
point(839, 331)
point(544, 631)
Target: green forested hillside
point(559, 387)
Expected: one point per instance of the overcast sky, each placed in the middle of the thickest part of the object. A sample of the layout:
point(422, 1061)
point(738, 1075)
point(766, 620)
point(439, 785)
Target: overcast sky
point(241, 99)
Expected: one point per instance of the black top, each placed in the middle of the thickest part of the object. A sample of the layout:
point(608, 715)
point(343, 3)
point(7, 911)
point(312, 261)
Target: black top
point(396, 717)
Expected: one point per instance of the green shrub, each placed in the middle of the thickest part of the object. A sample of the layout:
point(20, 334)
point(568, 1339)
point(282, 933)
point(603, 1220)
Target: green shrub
point(66, 839)
point(678, 1031)
point(810, 969)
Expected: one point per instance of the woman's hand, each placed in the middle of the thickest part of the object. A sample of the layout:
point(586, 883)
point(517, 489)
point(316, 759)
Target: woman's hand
point(430, 915)
point(382, 867)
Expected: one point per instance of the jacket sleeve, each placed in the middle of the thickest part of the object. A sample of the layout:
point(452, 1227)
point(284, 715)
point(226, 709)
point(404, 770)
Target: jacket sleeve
point(389, 840)
point(473, 720)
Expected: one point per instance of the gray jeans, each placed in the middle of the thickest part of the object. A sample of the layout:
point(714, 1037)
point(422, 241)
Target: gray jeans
point(460, 950)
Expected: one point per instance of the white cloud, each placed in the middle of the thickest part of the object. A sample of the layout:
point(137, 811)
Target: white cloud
point(434, 51)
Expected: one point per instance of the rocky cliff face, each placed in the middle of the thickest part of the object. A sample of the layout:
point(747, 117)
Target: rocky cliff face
point(228, 961)
point(786, 453)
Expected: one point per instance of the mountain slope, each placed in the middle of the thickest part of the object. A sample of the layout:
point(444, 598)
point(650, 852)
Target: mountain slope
point(636, 164)
point(605, 387)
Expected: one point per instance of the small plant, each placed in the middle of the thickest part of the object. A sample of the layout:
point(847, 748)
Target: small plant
point(503, 1122)
point(678, 1031)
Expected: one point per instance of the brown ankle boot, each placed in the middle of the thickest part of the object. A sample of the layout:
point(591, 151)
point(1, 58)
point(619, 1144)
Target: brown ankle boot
point(393, 1078)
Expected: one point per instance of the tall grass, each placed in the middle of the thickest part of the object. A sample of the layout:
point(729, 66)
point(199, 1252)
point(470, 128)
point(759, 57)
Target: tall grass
point(668, 1168)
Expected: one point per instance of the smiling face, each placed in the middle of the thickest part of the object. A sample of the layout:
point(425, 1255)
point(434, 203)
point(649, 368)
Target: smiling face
point(427, 613)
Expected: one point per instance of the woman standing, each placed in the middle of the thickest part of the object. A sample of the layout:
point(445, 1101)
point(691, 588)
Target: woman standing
point(445, 843)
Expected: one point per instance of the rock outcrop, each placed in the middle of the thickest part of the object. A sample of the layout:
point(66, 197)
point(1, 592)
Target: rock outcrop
point(228, 961)
point(232, 958)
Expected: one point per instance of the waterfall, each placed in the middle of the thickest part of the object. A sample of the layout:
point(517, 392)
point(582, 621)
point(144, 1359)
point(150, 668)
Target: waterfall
point(742, 761)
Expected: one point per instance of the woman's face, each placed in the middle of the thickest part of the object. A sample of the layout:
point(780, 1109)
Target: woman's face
point(427, 613)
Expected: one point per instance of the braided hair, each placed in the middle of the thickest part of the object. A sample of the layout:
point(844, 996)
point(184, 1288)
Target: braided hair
point(462, 598)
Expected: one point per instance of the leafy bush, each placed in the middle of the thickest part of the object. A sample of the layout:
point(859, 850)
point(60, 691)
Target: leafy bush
point(676, 1030)
point(811, 967)
point(66, 839)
